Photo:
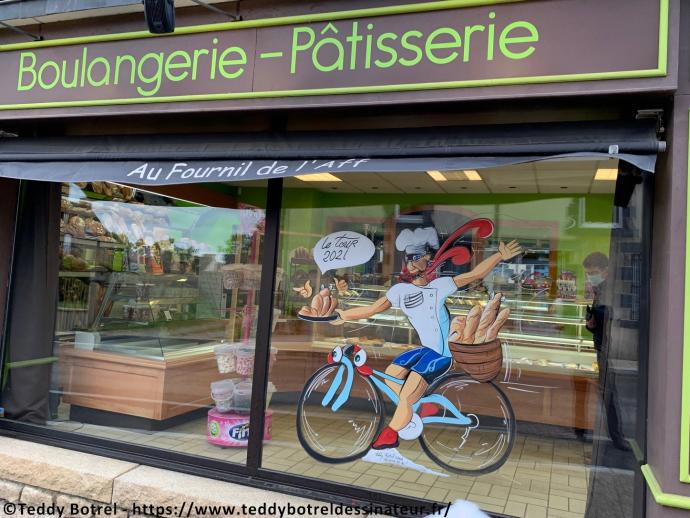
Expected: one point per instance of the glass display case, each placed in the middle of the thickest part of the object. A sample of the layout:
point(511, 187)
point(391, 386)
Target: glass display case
point(148, 286)
point(550, 362)
point(545, 331)
point(543, 334)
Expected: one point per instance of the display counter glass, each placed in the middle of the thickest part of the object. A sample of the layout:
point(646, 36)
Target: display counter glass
point(151, 287)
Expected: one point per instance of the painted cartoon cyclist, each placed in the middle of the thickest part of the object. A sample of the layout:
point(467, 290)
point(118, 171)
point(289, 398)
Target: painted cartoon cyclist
point(421, 296)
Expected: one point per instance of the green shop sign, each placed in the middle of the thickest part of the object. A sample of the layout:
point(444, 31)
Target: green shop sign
point(439, 45)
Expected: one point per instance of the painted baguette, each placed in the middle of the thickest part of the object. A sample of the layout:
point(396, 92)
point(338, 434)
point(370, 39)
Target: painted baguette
point(489, 313)
point(480, 337)
point(471, 325)
point(488, 318)
point(325, 301)
point(317, 303)
point(307, 311)
point(501, 319)
point(331, 308)
point(456, 328)
point(326, 304)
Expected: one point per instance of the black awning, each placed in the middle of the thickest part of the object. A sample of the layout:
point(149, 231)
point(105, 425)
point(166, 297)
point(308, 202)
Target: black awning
point(169, 159)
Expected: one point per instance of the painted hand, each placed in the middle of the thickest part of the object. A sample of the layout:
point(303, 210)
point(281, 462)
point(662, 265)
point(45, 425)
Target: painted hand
point(479, 325)
point(341, 286)
point(510, 250)
point(305, 291)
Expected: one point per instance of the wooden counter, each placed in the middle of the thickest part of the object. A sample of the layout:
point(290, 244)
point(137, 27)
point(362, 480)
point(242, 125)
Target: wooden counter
point(162, 389)
point(538, 394)
point(146, 388)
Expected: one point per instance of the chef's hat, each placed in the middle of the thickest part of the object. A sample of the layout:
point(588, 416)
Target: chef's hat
point(417, 242)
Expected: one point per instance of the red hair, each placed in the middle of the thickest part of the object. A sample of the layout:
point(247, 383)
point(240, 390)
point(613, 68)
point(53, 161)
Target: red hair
point(459, 255)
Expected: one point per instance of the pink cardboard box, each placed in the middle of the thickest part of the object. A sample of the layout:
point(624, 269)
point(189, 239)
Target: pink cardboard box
point(228, 429)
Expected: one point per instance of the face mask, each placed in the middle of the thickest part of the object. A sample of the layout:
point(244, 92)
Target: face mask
point(595, 279)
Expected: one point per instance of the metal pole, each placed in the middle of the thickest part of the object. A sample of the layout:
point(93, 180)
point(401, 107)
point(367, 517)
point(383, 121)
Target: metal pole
point(263, 329)
point(21, 31)
point(216, 10)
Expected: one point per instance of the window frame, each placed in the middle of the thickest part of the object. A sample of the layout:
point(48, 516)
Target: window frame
point(252, 473)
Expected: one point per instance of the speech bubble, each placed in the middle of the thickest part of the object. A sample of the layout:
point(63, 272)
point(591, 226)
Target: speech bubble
point(342, 249)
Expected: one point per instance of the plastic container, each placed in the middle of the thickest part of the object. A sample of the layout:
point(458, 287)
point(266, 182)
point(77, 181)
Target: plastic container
point(226, 357)
point(223, 393)
point(242, 397)
point(244, 364)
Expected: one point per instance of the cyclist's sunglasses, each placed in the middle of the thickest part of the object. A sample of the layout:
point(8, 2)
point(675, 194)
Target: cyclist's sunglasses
point(413, 258)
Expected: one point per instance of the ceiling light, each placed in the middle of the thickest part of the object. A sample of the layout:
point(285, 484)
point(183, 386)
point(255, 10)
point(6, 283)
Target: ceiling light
point(318, 177)
point(453, 176)
point(463, 176)
point(472, 175)
point(437, 176)
point(606, 173)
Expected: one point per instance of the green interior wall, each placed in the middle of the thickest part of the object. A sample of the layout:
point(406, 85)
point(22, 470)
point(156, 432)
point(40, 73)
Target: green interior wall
point(558, 217)
point(534, 216)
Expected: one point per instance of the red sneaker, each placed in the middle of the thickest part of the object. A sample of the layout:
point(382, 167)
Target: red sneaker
point(428, 409)
point(388, 438)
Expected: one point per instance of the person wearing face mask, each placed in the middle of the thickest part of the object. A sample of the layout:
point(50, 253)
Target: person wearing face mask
point(596, 271)
point(597, 322)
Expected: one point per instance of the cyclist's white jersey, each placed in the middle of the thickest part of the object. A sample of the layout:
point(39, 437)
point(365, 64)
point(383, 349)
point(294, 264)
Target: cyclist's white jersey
point(425, 308)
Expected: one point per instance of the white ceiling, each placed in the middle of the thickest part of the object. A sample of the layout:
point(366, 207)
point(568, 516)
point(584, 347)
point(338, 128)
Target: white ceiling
point(547, 177)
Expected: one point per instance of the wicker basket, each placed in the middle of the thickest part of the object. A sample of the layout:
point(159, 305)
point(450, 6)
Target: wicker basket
point(481, 361)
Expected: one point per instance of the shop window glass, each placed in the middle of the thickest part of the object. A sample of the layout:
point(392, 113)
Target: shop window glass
point(156, 316)
point(501, 306)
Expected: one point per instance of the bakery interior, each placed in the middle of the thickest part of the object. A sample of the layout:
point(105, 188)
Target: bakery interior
point(159, 290)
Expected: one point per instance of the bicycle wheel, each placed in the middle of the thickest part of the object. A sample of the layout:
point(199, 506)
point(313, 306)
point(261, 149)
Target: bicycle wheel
point(480, 447)
point(346, 434)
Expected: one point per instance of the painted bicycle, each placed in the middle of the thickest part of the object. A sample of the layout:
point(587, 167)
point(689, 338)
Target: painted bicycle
point(341, 410)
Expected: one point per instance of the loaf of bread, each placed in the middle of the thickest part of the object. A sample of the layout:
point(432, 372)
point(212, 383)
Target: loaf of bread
point(94, 227)
point(77, 222)
point(127, 192)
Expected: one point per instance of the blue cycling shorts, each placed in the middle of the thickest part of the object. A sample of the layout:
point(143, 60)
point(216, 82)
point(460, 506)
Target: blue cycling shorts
point(426, 362)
